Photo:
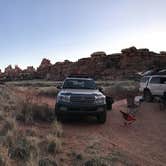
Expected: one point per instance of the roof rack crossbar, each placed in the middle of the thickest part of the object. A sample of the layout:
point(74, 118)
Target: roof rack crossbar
point(80, 76)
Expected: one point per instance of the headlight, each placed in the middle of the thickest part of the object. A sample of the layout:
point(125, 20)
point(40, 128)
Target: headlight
point(100, 100)
point(63, 98)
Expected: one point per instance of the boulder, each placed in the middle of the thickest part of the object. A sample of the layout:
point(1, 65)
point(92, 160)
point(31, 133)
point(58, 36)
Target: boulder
point(98, 54)
point(129, 50)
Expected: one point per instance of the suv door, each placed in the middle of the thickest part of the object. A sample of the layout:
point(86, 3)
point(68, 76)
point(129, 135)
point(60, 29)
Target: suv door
point(155, 86)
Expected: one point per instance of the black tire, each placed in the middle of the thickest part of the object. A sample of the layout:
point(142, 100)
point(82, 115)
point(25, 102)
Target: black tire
point(109, 101)
point(148, 96)
point(102, 117)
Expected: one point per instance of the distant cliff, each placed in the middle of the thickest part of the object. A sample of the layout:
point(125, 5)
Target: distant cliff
point(101, 66)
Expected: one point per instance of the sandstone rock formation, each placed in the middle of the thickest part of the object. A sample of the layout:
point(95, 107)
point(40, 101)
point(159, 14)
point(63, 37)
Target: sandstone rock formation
point(44, 68)
point(99, 65)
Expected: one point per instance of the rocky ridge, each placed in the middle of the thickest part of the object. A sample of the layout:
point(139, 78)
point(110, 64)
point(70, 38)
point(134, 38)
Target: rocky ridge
point(99, 65)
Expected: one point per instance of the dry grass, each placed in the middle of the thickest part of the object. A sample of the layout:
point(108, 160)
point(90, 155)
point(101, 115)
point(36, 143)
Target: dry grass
point(51, 91)
point(53, 144)
point(116, 157)
point(29, 111)
point(21, 144)
point(122, 89)
point(32, 112)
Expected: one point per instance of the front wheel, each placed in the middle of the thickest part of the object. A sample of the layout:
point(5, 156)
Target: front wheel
point(102, 117)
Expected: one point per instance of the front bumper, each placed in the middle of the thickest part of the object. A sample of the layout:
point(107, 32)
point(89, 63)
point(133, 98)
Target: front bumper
point(64, 108)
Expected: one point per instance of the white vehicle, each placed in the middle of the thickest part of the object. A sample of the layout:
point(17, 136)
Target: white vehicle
point(151, 86)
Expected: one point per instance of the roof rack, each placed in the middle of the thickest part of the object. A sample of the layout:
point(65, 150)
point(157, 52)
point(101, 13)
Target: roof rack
point(80, 76)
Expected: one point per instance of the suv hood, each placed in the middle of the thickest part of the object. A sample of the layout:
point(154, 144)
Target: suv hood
point(81, 91)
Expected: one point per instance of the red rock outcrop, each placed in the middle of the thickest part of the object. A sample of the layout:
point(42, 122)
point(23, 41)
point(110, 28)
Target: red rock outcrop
point(44, 68)
point(30, 69)
point(99, 65)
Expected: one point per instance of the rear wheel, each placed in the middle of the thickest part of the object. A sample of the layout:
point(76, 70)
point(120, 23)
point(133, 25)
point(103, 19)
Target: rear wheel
point(102, 117)
point(148, 96)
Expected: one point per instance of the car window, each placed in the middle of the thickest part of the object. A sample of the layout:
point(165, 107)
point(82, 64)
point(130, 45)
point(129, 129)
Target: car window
point(155, 80)
point(79, 84)
point(163, 80)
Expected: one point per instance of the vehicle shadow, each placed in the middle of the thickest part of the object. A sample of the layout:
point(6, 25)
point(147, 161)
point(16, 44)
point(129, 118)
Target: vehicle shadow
point(88, 120)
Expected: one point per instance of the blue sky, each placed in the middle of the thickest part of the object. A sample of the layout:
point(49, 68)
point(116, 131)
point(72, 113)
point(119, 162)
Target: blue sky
point(71, 29)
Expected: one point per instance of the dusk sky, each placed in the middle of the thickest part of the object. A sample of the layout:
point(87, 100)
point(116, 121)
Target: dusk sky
point(71, 29)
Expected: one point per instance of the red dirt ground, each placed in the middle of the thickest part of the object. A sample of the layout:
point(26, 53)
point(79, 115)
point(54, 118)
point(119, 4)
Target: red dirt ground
point(144, 141)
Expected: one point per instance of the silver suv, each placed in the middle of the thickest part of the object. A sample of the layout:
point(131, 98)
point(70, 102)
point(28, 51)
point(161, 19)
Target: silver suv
point(80, 96)
point(154, 85)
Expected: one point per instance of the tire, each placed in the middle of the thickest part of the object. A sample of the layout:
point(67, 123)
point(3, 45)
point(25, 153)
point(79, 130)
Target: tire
point(102, 117)
point(148, 96)
point(109, 101)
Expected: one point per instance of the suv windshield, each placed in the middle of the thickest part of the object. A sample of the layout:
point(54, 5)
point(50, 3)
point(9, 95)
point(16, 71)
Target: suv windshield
point(79, 84)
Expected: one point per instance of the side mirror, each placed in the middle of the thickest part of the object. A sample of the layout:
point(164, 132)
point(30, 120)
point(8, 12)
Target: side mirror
point(59, 87)
point(100, 89)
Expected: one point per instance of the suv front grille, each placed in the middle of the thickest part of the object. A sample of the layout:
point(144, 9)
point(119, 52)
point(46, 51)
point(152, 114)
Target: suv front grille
point(82, 99)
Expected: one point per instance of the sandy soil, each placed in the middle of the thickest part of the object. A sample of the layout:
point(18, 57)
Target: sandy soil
point(143, 142)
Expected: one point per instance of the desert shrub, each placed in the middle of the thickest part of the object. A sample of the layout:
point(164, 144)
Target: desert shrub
point(50, 145)
point(56, 129)
point(48, 91)
point(20, 150)
point(21, 143)
point(1, 116)
point(7, 125)
point(30, 112)
point(24, 112)
point(7, 99)
point(47, 162)
point(114, 158)
point(21, 147)
point(53, 144)
point(96, 162)
point(43, 113)
point(2, 161)
point(31, 132)
point(122, 89)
